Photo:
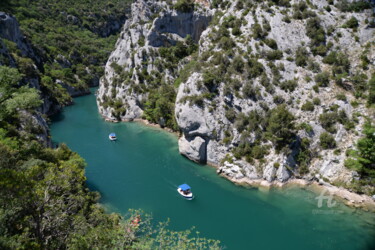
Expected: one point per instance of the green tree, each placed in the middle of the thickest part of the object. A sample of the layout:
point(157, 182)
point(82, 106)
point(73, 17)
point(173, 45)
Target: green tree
point(24, 98)
point(363, 158)
point(280, 126)
point(327, 141)
point(9, 79)
point(184, 5)
point(351, 23)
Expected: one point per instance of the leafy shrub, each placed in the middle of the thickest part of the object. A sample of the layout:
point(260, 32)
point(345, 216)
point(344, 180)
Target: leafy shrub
point(289, 85)
point(249, 91)
point(255, 68)
point(274, 55)
point(282, 3)
point(327, 141)
point(238, 64)
point(362, 160)
point(280, 126)
point(352, 23)
point(328, 121)
point(230, 114)
point(355, 6)
point(301, 57)
point(159, 107)
point(211, 80)
point(340, 62)
point(241, 122)
point(141, 41)
point(117, 68)
point(308, 106)
point(226, 43)
point(184, 5)
point(305, 126)
point(322, 79)
point(301, 11)
point(258, 152)
point(271, 43)
point(304, 156)
point(341, 97)
point(371, 95)
point(258, 32)
point(278, 99)
point(182, 49)
point(317, 35)
point(316, 101)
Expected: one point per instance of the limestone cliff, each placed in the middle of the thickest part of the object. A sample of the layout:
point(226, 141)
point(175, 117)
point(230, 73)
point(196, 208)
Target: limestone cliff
point(209, 134)
point(273, 92)
point(153, 24)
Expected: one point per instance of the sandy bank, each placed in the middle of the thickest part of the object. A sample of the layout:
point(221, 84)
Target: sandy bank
point(349, 198)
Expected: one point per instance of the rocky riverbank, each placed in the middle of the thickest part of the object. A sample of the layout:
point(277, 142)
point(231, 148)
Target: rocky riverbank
point(318, 186)
point(264, 91)
point(348, 198)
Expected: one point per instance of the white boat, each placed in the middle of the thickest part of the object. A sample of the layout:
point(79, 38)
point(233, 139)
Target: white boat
point(112, 137)
point(184, 191)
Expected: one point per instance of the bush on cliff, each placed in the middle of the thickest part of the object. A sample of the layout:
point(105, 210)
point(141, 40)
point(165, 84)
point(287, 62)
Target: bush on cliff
point(184, 5)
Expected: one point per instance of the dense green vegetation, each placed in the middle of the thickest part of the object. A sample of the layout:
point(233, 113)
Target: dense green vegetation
point(159, 107)
point(69, 37)
point(44, 200)
point(362, 160)
point(184, 5)
point(277, 125)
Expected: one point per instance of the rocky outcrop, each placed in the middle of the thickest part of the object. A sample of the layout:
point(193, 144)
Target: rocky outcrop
point(9, 29)
point(152, 24)
point(104, 25)
point(7, 59)
point(73, 91)
point(35, 124)
point(180, 24)
point(194, 150)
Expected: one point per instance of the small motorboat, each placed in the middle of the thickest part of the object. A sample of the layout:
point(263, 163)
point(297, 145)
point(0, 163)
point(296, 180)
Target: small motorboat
point(112, 137)
point(184, 191)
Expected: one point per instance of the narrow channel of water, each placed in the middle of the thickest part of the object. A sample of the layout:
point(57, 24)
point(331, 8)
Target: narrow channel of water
point(143, 169)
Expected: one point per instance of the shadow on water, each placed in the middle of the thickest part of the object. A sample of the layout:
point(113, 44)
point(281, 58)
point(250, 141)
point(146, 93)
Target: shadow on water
point(95, 188)
point(58, 117)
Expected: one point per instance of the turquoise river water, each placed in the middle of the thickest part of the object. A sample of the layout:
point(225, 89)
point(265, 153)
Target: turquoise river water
point(143, 168)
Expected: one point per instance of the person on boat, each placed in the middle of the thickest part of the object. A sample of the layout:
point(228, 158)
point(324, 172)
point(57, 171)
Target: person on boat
point(135, 222)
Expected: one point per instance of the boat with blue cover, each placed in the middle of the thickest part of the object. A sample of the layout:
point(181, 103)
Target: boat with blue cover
point(112, 137)
point(185, 191)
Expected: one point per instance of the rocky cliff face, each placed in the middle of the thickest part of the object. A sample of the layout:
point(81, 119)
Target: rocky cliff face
point(10, 32)
point(272, 96)
point(30, 122)
point(152, 25)
point(9, 29)
point(104, 25)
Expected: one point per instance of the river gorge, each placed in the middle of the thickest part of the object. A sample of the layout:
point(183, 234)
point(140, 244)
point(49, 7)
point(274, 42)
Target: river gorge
point(143, 168)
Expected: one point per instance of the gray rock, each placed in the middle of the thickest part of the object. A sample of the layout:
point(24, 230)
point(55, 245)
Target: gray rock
point(9, 29)
point(269, 173)
point(194, 149)
point(74, 92)
point(138, 44)
point(282, 173)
